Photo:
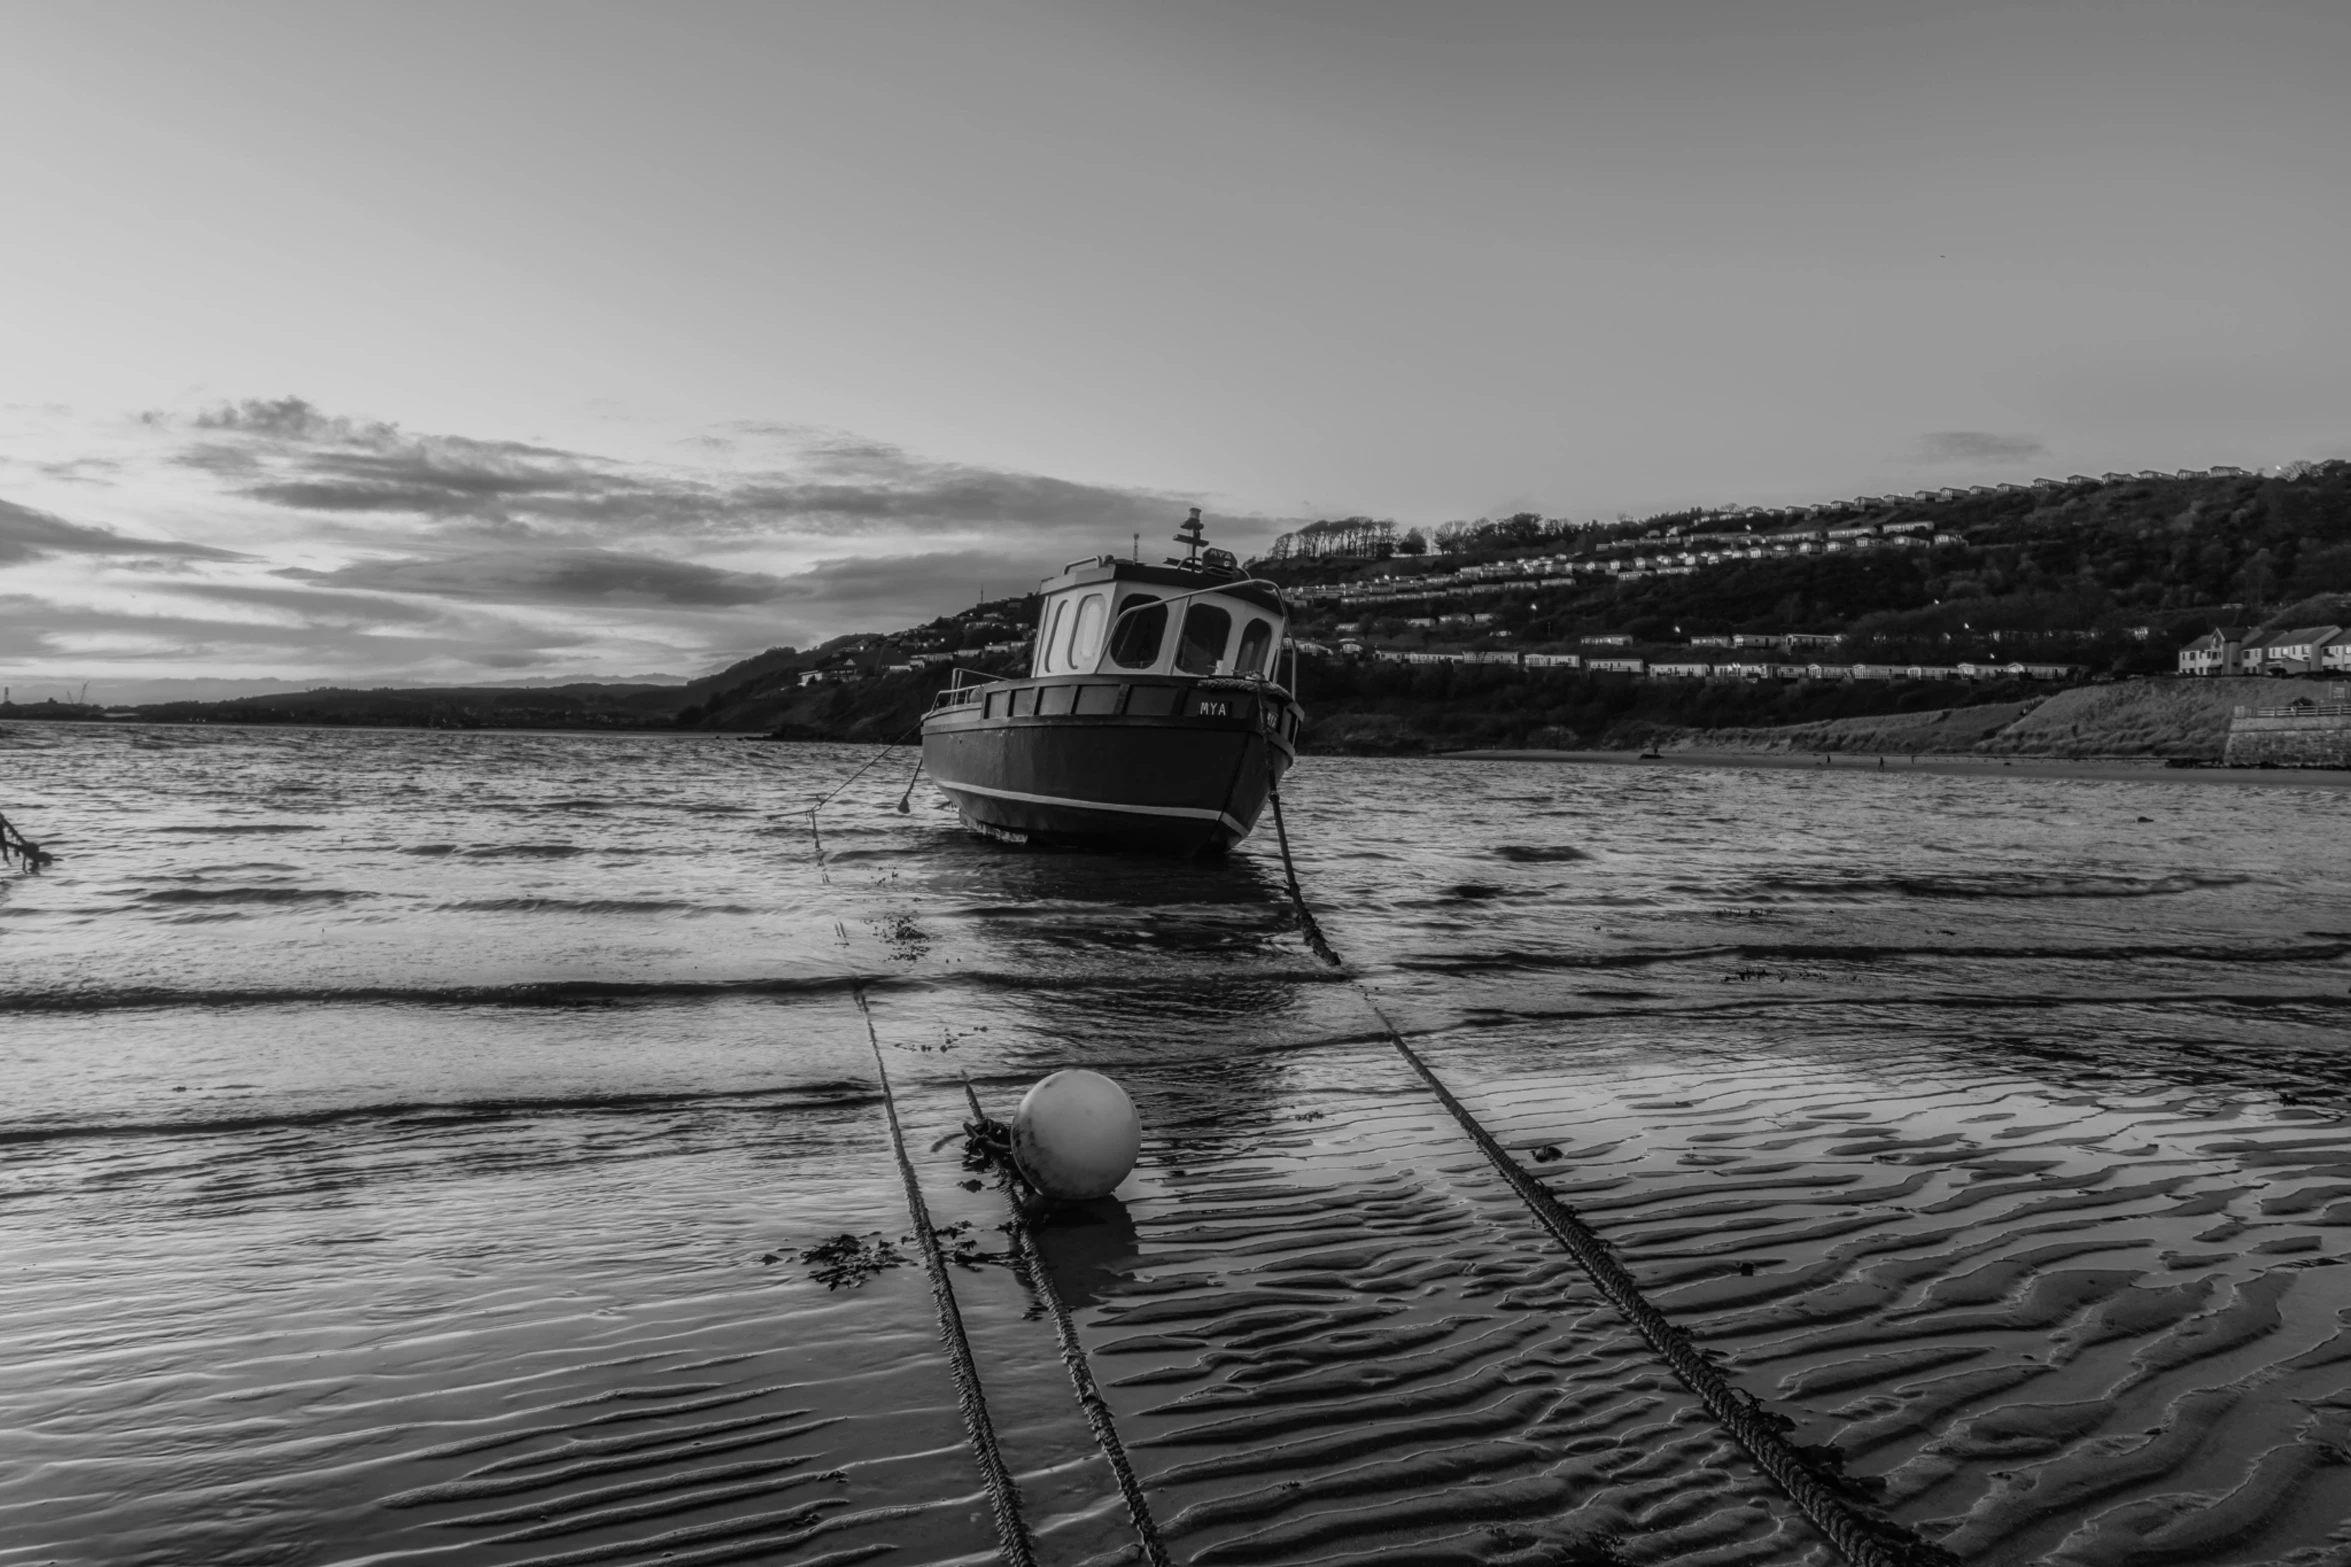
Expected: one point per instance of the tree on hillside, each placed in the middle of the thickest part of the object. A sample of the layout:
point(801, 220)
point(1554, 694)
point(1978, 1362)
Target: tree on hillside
point(1346, 538)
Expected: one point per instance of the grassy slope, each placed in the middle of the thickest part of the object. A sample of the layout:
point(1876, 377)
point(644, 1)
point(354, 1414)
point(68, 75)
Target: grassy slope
point(2150, 718)
point(1941, 731)
point(2186, 718)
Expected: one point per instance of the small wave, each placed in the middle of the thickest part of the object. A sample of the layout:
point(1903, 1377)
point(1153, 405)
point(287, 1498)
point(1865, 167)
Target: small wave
point(1857, 952)
point(275, 895)
point(2004, 884)
point(437, 1113)
point(524, 851)
point(1539, 854)
point(547, 993)
point(595, 906)
point(225, 829)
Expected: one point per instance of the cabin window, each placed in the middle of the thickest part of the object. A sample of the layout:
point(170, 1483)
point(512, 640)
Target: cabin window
point(1256, 642)
point(1207, 628)
point(1085, 637)
point(1142, 624)
point(1052, 637)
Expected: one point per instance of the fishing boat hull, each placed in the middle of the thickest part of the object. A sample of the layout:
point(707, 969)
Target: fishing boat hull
point(1165, 765)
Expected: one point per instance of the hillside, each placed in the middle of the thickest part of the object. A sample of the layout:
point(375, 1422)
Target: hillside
point(1393, 708)
point(583, 706)
point(2109, 573)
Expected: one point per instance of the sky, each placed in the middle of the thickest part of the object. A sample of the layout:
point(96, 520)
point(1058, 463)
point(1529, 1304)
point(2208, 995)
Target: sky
point(447, 342)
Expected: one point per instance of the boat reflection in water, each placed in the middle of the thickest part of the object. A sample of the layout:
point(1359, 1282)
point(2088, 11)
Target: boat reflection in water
point(1150, 717)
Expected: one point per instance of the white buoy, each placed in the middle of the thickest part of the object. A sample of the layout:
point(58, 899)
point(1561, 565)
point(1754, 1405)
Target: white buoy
point(1076, 1135)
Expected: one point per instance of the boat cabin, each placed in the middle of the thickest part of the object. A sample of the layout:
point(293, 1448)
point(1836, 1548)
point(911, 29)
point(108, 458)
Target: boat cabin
point(1116, 617)
point(1201, 615)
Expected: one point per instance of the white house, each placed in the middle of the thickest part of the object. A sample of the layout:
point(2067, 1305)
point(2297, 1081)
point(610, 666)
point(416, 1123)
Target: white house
point(2295, 652)
point(2217, 652)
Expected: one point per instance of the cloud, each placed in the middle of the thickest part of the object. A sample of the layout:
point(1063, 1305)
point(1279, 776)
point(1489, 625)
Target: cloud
point(1979, 446)
point(556, 576)
point(291, 419)
point(26, 534)
point(82, 470)
point(287, 453)
point(376, 553)
point(907, 590)
point(182, 638)
point(314, 606)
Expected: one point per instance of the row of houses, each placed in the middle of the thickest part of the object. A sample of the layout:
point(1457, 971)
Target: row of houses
point(1694, 543)
point(2076, 481)
point(1751, 669)
point(2301, 650)
point(866, 663)
point(1648, 559)
point(1712, 518)
point(1790, 641)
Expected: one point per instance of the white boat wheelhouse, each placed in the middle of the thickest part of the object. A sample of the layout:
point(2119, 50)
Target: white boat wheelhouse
point(1112, 617)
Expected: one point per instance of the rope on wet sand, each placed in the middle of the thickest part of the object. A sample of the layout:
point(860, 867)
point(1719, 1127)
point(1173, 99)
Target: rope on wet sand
point(1863, 1538)
point(1081, 1374)
point(1003, 1495)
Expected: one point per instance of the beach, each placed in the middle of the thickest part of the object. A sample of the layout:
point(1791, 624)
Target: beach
point(2120, 769)
point(416, 1141)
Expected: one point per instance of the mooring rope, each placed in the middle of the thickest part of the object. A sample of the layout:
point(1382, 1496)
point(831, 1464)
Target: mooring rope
point(1073, 1355)
point(1003, 1495)
point(12, 841)
point(816, 837)
point(905, 806)
point(1314, 936)
point(1865, 1539)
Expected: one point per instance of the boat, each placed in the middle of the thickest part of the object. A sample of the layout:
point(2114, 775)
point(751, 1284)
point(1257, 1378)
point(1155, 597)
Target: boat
point(1151, 717)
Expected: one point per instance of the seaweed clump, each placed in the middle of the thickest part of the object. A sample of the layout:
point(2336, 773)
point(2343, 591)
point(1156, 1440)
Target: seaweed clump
point(851, 1260)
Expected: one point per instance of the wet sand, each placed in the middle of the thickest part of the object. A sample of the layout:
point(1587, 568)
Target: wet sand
point(2119, 770)
point(2035, 1321)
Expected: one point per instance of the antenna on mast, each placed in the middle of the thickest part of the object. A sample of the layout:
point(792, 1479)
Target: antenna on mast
point(1190, 536)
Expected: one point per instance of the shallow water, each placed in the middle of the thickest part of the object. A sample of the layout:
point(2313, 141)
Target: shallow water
point(399, 1126)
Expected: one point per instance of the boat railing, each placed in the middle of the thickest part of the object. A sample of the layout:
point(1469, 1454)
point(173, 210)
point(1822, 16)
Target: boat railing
point(962, 692)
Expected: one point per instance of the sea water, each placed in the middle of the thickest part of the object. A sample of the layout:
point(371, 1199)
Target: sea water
point(409, 1142)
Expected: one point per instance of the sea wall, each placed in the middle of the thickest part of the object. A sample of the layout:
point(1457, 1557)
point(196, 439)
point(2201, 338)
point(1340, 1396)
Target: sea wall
point(2303, 740)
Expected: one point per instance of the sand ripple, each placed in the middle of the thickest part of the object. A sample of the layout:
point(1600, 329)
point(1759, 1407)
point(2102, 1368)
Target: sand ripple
point(2044, 1327)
